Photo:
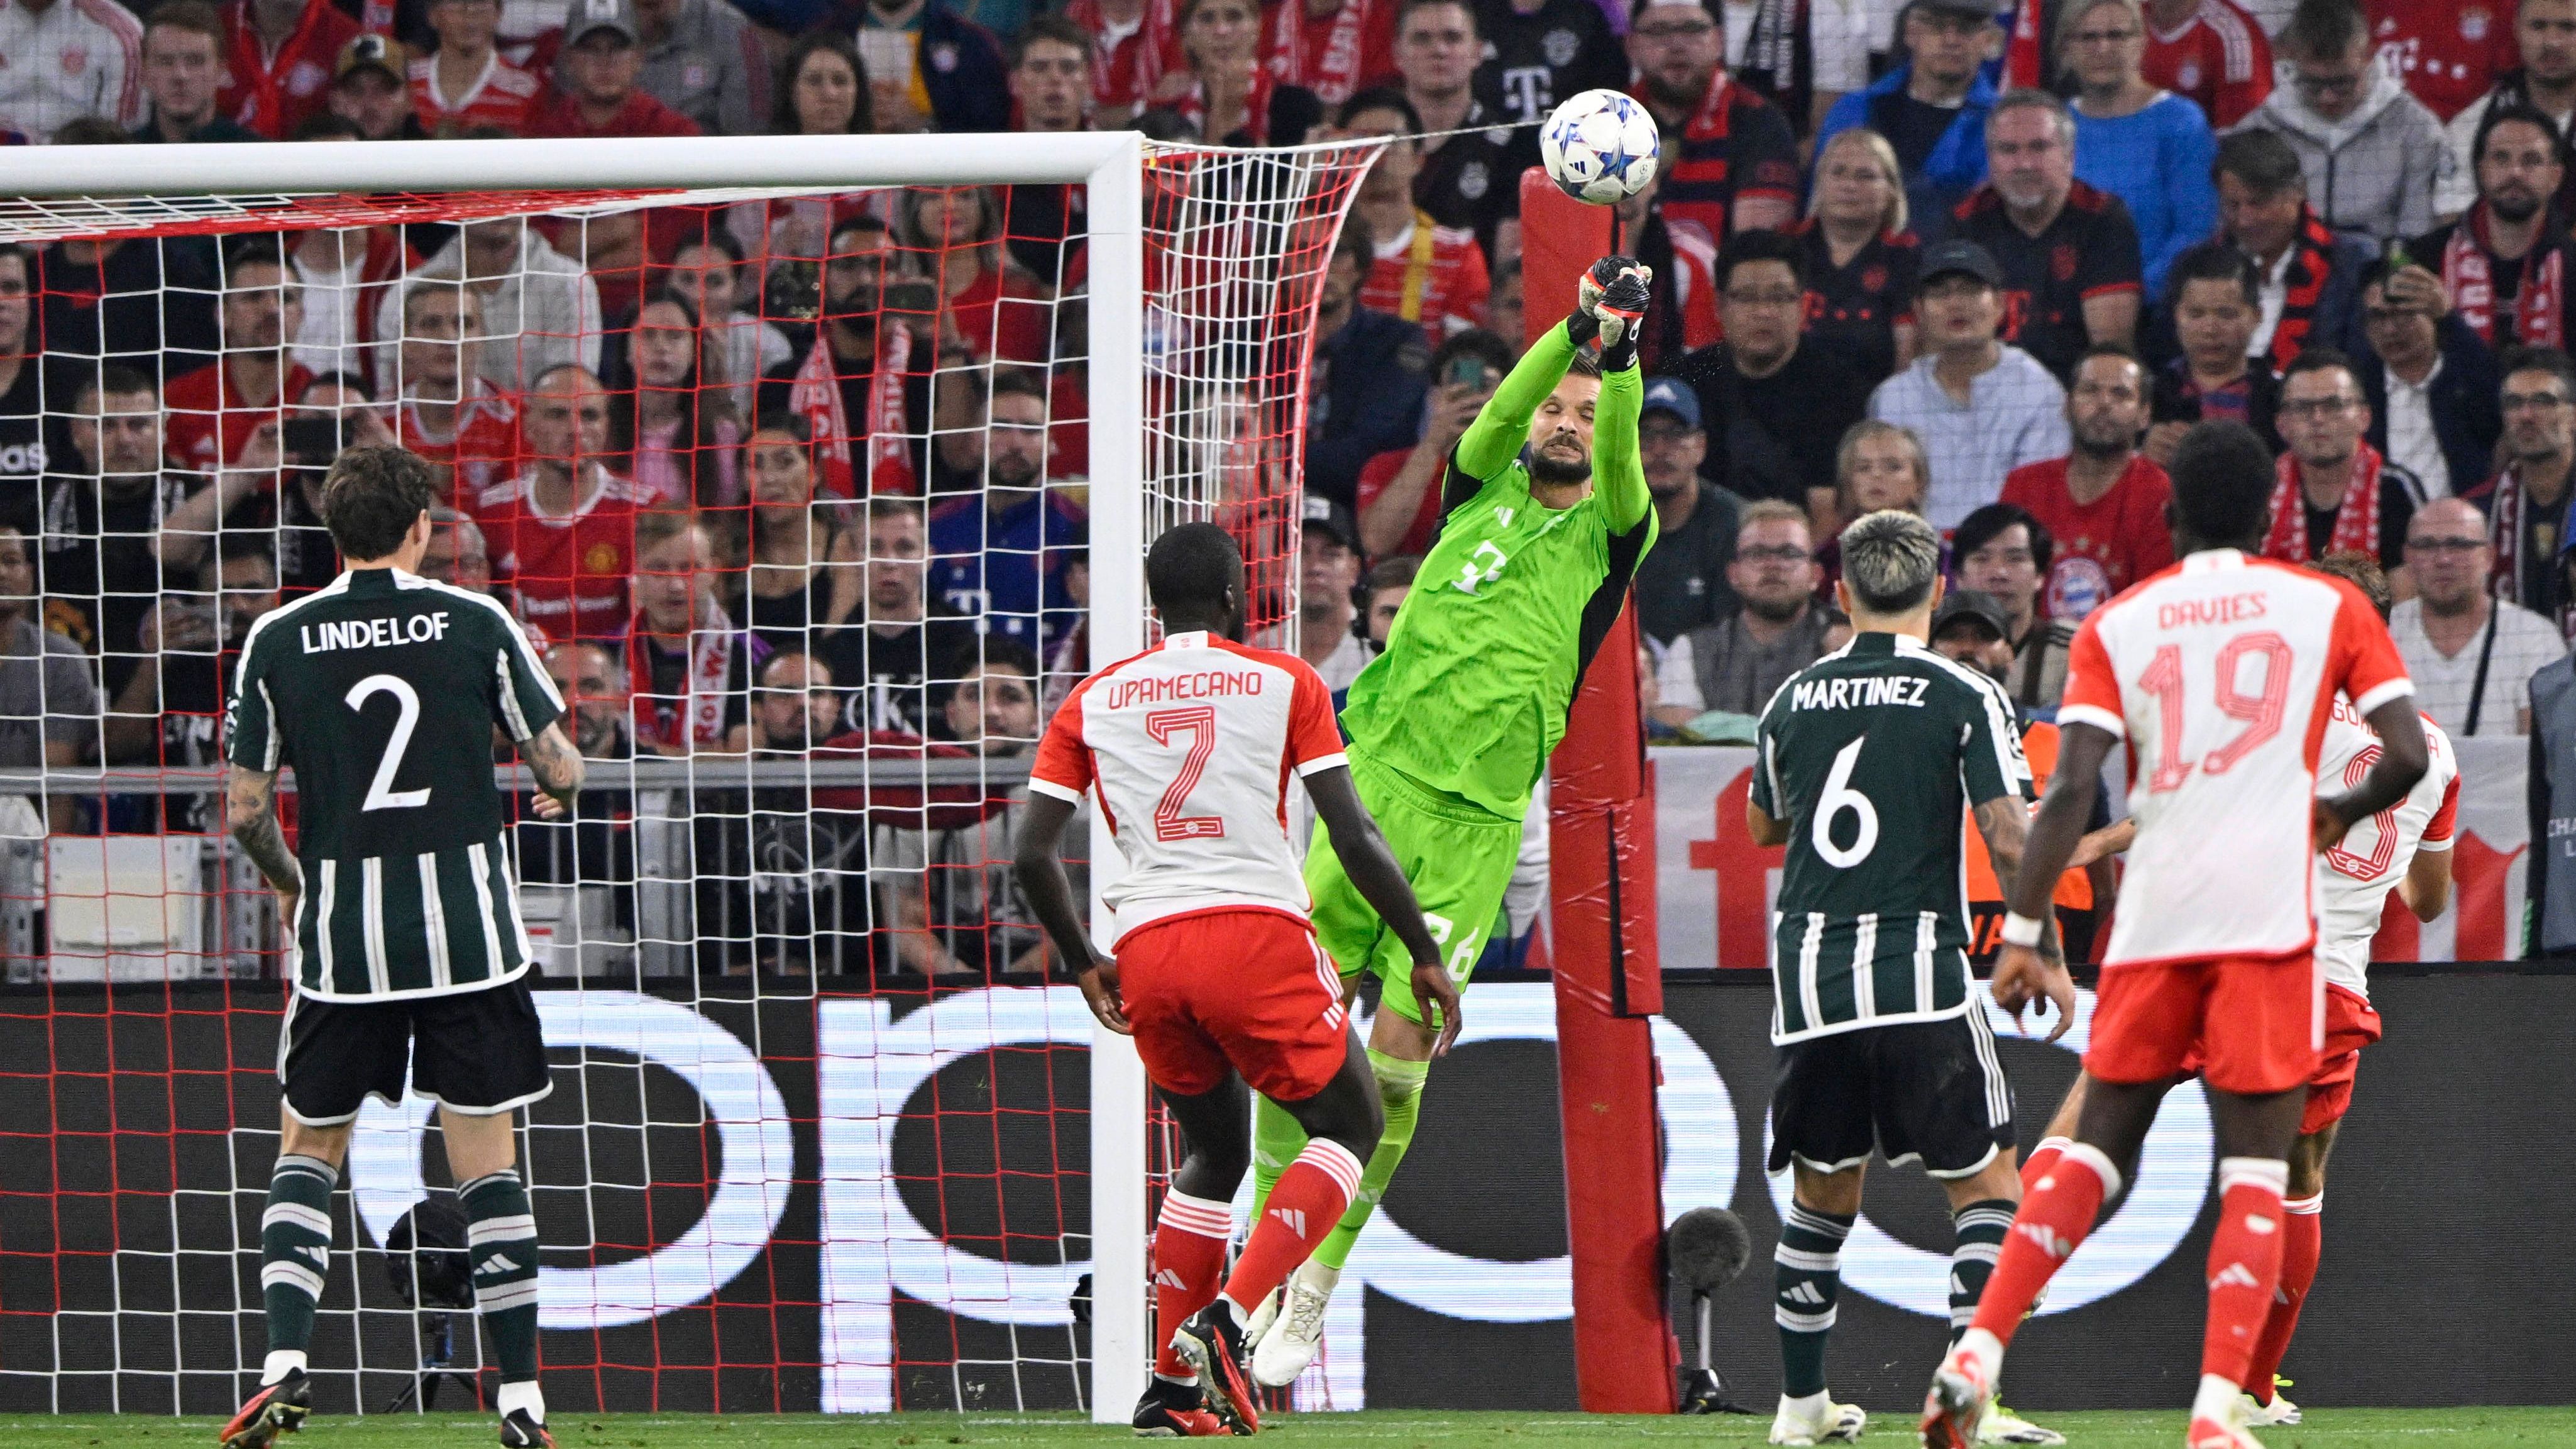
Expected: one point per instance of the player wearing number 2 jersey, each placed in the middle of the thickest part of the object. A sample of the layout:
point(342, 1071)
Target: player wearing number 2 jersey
point(1869, 760)
point(1545, 516)
point(1189, 747)
point(381, 690)
point(2221, 673)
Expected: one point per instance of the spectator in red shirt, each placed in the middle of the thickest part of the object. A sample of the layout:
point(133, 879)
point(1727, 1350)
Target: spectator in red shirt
point(215, 411)
point(1399, 489)
point(448, 414)
point(1424, 273)
point(369, 92)
point(2448, 52)
point(563, 531)
point(1334, 48)
point(2211, 53)
point(1730, 162)
point(2103, 503)
point(283, 57)
point(989, 308)
point(466, 83)
point(603, 57)
point(1135, 44)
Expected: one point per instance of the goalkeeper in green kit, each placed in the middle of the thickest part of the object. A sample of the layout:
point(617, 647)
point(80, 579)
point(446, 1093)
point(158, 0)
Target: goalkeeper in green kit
point(1544, 517)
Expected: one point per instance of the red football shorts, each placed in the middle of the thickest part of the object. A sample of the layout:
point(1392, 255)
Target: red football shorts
point(1246, 989)
point(2252, 1026)
point(2350, 1026)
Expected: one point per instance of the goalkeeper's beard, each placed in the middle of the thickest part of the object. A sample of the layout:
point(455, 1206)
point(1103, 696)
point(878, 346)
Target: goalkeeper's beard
point(1545, 468)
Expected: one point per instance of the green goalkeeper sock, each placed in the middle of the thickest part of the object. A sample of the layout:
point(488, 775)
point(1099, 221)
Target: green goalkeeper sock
point(1276, 1141)
point(1399, 1085)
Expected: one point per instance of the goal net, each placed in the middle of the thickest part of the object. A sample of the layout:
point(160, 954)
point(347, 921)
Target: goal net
point(819, 470)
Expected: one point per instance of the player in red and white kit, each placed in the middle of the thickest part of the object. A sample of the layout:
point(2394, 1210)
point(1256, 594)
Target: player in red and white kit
point(2405, 848)
point(1189, 747)
point(2221, 673)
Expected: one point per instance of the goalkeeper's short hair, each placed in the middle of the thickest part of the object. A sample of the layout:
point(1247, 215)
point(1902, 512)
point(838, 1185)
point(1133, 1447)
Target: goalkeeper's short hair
point(1192, 566)
point(1890, 560)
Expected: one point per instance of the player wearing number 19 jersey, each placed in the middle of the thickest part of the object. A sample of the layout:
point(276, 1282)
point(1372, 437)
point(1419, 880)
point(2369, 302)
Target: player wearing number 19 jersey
point(1545, 516)
point(2221, 673)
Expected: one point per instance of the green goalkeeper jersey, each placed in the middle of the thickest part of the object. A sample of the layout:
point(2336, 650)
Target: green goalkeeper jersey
point(1512, 601)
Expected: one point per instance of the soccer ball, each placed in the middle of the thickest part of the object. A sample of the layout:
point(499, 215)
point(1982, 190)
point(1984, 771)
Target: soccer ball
point(1600, 147)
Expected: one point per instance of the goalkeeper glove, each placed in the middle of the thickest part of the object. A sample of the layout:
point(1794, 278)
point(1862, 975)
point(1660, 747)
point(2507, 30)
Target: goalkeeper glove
point(1611, 302)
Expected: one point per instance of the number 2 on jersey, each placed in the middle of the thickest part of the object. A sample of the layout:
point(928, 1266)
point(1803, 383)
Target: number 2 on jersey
point(2260, 712)
point(1199, 723)
point(380, 793)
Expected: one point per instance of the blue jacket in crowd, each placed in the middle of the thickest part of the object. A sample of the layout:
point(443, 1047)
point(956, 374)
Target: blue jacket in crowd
point(1957, 164)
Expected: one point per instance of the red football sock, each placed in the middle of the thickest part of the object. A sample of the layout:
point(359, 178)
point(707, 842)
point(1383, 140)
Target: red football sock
point(1189, 1256)
point(2302, 1243)
point(1307, 1203)
point(2041, 1159)
point(2244, 1263)
point(2055, 1217)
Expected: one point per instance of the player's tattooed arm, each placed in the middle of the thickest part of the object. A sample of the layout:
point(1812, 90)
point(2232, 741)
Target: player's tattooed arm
point(2005, 823)
point(559, 770)
point(1372, 868)
point(250, 812)
point(1037, 864)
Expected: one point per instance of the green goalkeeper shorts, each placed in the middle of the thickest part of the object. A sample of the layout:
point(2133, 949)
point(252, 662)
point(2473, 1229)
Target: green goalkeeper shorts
point(1459, 859)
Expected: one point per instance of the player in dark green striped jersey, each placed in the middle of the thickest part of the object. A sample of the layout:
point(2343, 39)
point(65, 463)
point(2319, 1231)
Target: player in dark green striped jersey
point(381, 690)
point(1545, 516)
point(1869, 761)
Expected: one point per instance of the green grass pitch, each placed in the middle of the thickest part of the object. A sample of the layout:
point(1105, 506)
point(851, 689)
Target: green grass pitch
point(2553, 1428)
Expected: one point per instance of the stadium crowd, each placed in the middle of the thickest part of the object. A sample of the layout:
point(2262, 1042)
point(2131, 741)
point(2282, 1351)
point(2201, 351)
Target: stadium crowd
point(805, 479)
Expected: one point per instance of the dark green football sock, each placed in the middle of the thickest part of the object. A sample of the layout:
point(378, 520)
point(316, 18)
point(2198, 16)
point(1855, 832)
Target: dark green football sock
point(1806, 1278)
point(295, 1248)
point(501, 1238)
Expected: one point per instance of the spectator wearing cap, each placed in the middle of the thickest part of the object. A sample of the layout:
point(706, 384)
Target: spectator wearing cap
point(1399, 490)
point(1328, 601)
point(1859, 258)
point(1682, 581)
point(466, 84)
point(2310, 276)
point(183, 70)
point(928, 67)
point(2431, 384)
point(2068, 253)
point(2216, 300)
point(2003, 552)
point(2145, 145)
point(370, 89)
point(1469, 180)
point(68, 60)
point(2505, 265)
point(1932, 107)
point(2373, 154)
point(603, 63)
point(1423, 272)
point(1366, 389)
point(1773, 409)
point(2103, 504)
point(1730, 160)
point(1737, 663)
point(1539, 53)
point(1981, 407)
point(703, 59)
point(284, 58)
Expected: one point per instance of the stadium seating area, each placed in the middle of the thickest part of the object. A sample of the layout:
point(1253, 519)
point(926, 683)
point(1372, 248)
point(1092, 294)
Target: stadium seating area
point(790, 479)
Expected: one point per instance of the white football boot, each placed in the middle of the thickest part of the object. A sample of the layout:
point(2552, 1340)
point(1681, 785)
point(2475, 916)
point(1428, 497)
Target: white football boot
point(1816, 1419)
point(1296, 1332)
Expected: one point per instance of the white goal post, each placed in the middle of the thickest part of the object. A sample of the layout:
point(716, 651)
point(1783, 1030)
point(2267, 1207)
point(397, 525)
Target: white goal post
point(56, 191)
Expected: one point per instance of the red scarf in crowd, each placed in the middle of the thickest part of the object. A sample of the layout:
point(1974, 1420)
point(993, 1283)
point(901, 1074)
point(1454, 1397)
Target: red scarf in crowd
point(815, 395)
point(1123, 75)
point(2468, 276)
point(1334, 74)
point(2025, 54)
point(2356, 524)
point(697, 719)
point(1193, 108)
point(2312, 261)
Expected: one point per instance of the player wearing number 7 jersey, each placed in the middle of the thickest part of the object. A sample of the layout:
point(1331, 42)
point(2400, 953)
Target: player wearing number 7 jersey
point(1868, 760)
point(382, 690)
point(2221, 672)
point(1189, 747)
point(1544, 517)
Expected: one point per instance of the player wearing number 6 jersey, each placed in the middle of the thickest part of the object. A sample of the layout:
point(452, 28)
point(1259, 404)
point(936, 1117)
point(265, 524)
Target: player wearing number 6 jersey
point(1868, 760)
point(2221, 673)
point(1544, 517)
point(382, 690)
point(1189, 747)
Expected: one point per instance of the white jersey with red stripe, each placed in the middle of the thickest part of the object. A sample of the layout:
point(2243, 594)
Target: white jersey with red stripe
point(2354, 878)
point(2221, 672)
point(1189, 747)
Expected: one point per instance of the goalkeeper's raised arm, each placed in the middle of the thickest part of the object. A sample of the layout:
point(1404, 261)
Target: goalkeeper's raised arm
point(1570, 444)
